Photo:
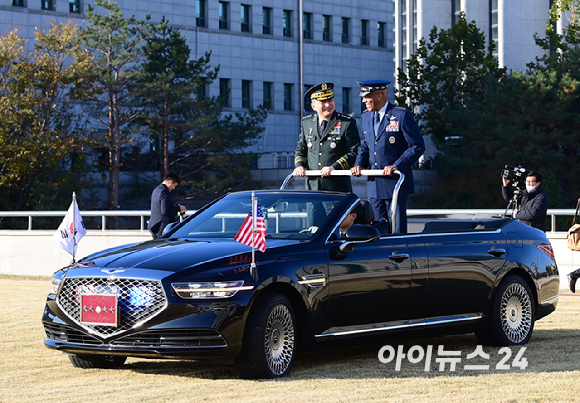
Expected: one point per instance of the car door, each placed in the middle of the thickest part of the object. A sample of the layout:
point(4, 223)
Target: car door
point(369, 285)
point(462, 270)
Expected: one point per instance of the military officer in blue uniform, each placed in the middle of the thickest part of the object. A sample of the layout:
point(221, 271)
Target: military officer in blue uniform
point(390, 140)
point(328, 140)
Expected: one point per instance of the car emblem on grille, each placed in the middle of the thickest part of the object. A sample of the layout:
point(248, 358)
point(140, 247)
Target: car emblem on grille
point(112, 271)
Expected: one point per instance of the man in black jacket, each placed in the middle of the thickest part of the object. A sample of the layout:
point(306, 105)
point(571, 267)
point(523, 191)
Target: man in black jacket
point(163, 210)
point(534, 204)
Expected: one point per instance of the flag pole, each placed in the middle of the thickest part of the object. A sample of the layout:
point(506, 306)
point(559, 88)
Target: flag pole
point(253, 272)
point(74, 227)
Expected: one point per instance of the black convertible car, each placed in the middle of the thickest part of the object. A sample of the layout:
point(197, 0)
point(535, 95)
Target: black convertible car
point(193, 294)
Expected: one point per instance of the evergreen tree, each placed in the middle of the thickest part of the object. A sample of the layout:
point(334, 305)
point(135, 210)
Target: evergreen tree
point(207, 145)
point(446, 71)
point(529, 119)
point(117, 44)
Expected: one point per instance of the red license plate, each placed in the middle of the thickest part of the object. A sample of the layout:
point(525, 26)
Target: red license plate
point(99, 310)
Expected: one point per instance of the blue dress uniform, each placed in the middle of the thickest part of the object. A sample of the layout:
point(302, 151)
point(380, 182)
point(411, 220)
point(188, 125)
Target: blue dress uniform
point(398, 142)
point(335, 146)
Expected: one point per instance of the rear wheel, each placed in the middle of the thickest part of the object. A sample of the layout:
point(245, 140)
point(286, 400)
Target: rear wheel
point(269, 344)
point(96, 361)
point(511, 322)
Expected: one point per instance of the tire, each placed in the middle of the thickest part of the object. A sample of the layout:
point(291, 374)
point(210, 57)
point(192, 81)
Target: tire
point(512, 319)
point(96, 361)
point(269, 343)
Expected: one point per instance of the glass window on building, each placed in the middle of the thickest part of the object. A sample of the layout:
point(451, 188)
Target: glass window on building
point(200, 13)
point(245, 13)
point(267, 90)
point(381, 33)
point(203, 90)
point(346, 100)
point(326, 28)
point(455, 10)
point(345, 30)
point(307, 101)
point(287, 97)
point(74, 6)
point(287, 22)
point(494, 25)
point(307, 25)
point(415, 38)
point(225, 92)
point(224, 11)
point(18, 3)
point(364, 32)
point(267, 21)
point(246, 94)
point(47, 4)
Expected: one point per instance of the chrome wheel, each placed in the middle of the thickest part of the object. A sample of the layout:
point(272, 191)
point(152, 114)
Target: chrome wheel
point(279, 339)
point(270, 339)
point(516, 313)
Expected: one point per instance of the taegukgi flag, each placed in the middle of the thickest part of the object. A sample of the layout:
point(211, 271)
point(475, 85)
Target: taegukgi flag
point(72, 221)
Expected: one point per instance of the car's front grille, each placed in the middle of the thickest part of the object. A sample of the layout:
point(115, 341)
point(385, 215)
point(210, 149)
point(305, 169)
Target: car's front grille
point(173, 338)
point(137, 301)
point(68, 334)
point(146, 339)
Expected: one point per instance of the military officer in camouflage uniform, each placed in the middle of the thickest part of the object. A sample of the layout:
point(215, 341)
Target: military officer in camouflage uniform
point(328, 141)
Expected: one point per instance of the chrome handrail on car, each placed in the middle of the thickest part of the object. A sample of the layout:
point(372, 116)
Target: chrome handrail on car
point(364, 172)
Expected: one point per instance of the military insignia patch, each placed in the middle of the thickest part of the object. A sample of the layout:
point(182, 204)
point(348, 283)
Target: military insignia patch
point(336, 128)
point(309, 144)
point(333, 145)
point(392, 139)
point(311, 130)
point(393, 126)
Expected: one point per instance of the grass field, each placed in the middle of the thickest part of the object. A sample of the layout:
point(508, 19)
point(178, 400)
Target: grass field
point(29, 372)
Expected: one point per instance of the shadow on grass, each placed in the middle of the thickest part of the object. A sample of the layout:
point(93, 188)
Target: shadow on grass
point(548, 351)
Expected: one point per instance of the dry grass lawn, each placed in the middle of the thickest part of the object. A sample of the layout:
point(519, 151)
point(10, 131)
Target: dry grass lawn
point(29, 372)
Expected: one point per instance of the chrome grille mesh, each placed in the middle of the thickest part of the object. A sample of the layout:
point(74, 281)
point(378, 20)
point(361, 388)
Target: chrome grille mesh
point(138, 301)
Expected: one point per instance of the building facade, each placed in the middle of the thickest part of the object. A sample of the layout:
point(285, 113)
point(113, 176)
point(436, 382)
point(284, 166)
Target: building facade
point(269, 51)
point(510, 24)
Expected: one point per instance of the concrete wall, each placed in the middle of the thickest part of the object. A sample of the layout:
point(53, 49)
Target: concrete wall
point(34, 253)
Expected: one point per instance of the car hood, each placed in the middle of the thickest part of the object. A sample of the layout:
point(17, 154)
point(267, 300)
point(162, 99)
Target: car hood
point(178, 254)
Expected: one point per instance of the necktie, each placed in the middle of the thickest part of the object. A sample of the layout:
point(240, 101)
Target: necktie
point(377, 123)
point(322, 127)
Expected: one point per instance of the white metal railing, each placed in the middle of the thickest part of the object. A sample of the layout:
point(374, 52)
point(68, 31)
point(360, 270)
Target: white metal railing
point(104, 214)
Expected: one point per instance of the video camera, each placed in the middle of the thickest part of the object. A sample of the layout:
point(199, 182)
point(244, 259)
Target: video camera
point(516, 176)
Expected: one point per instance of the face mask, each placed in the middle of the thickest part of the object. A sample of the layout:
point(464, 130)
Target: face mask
point(530, 188)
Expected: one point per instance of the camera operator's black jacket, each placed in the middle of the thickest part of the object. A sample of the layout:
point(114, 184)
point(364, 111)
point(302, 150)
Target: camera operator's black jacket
point(533, 206)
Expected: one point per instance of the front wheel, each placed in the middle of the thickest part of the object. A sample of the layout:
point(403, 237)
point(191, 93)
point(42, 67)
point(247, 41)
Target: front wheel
point(511, 322)
point(96, 361)
point(269, 343)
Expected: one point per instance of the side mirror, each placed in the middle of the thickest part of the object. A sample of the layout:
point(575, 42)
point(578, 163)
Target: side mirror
point(359, 233)
point(170, 227)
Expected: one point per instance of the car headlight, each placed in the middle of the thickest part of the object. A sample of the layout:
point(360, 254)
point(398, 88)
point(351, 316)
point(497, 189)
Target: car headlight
point(209, 290)
point(55, 282)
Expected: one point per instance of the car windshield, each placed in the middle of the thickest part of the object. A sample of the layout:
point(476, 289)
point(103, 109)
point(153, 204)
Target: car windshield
point(286, 215)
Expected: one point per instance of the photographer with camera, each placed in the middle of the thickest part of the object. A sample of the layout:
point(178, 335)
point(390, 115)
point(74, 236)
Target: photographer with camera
point(532, 201)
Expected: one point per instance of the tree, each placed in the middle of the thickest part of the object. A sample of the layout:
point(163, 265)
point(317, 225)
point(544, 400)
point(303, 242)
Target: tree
point(450, 68)
point(42, 138)
point(530, 119)
point(207, 145)
point(570, 11)
point(117, 44)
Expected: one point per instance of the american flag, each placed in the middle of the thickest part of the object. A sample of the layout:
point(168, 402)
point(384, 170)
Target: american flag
point(245, 232)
